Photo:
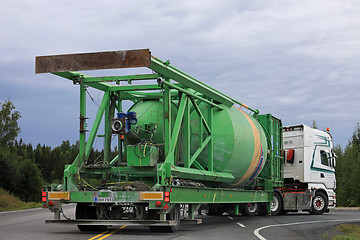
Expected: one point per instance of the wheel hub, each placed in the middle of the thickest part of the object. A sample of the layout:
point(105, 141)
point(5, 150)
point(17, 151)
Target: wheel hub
point(274, 204)
point(319, 203)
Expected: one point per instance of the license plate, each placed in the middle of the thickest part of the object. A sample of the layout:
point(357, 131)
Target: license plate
point(104, 199)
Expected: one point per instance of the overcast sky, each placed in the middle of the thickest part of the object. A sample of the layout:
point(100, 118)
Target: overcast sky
point(299, 60)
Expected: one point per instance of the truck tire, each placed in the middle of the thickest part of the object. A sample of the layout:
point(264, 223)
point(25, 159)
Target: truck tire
point(319, 204)
point(85, 211)
point(276, 204)
point(250, 209)
point(173, 215)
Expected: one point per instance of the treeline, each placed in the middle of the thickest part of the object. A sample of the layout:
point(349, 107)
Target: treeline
point(348, 172)
point(24, 169)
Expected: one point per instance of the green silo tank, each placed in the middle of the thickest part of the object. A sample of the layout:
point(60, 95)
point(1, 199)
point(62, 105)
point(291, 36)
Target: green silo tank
point(240, 144)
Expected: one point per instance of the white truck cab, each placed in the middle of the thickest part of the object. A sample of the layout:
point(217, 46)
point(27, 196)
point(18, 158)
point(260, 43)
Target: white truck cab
point(309, 168)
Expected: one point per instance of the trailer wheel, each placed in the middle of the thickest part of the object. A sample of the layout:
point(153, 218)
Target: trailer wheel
point(173, 215)
point(250, 209)
point(319, 204)
point(276, 204)
point(85, 211)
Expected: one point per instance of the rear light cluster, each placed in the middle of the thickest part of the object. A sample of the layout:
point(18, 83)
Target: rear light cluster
point(166, 200)
point(167, 197)
point(43, 196)
point(288, 129)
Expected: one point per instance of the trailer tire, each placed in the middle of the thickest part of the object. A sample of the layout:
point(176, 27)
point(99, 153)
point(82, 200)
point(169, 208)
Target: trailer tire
point(319, 204)
point(250, 209)
point(85, 211)
point(276, 204)
point(173, 215)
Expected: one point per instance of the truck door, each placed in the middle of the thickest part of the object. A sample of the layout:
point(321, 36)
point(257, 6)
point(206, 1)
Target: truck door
point(322, 167)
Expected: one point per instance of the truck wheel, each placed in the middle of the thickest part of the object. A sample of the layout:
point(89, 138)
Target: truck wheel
point(276, 204)
point(85, 211)
point(173, 215)
point(250, 209)
point(319, 204)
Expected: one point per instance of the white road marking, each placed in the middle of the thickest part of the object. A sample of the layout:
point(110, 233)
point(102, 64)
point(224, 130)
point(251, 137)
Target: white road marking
point(230, 218)
point(257, 234)
point(241, 225)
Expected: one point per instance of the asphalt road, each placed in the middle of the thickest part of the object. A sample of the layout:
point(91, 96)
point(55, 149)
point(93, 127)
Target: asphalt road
point(29, 224)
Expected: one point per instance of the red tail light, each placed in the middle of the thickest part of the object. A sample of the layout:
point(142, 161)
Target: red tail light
point(158, 204)
point(167, 197)
point(43, 196)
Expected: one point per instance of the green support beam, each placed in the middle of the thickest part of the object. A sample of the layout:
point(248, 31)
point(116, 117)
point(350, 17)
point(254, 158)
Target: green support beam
point(95, 127)
point(188, 195)
point(210, 145)
point(172, 73)
point(178, 121)
point(82, 138)
point(202, 118)
point(114, 88)
point(187, 135)
point(191, 94)
point(109, 114)
point(199, 150)
point(127, 78)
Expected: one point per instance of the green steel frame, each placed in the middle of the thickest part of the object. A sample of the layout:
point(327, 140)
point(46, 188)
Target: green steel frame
point(171, 84)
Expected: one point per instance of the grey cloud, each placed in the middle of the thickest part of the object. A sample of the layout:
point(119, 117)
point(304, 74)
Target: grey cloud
point(297, 60)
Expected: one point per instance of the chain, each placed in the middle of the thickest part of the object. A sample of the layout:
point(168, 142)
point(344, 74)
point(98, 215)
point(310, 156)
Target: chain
point(62, 212)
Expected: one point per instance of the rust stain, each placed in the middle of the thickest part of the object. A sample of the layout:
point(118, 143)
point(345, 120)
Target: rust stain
point(93, 61)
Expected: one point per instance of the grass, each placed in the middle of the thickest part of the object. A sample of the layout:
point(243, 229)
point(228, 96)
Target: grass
point(351, 231)
point(9, 202)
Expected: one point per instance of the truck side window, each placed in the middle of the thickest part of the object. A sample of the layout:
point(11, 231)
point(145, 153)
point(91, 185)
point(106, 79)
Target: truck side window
point(324, 158)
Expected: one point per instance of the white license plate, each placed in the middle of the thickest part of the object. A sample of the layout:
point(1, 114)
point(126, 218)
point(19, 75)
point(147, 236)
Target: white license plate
point(104, 199)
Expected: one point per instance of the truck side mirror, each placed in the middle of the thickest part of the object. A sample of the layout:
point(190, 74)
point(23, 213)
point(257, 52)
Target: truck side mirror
point(290, 155)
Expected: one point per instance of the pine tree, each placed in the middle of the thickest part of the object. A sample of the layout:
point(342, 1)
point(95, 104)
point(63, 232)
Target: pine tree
point(348, 172)
point(30, 181)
